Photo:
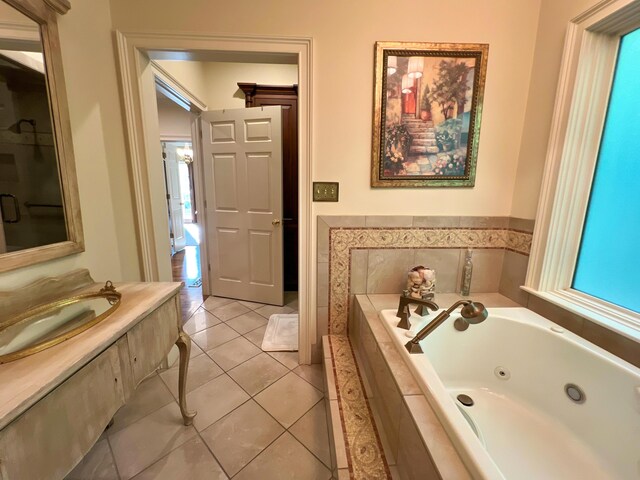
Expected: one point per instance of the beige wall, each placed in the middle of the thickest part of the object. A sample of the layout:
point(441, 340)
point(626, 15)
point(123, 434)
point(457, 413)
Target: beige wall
point(189, 74)
point(554, 17)
point(173, 120)
point(223, 77)
point(344, 34)
point(216, 83)
point(10, 15)
point(96, 120)
point(522, 74)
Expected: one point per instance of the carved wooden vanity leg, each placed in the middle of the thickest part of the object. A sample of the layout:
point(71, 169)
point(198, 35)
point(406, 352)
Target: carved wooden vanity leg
point(184, 346)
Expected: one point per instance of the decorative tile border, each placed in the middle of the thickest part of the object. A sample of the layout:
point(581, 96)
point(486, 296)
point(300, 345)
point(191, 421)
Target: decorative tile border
point(365, 455)
point(344, 239)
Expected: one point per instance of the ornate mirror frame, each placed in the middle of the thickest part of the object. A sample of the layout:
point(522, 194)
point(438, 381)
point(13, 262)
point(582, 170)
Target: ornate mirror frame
point(44, 12)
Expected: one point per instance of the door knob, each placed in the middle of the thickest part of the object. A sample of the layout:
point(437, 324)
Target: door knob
point(275, 222)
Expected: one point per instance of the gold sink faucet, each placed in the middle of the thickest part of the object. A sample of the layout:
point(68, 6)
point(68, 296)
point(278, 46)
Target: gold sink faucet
point(404, 313)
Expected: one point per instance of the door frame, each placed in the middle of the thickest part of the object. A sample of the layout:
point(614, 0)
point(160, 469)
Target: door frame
point(138, 88)
point(181, 95)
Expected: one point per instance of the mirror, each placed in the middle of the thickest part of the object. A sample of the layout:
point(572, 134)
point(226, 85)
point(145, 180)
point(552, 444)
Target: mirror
point(30, 195)
point(47, 325)
point(39, 207)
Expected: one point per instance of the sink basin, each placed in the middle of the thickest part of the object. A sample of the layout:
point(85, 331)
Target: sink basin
point(47, 325)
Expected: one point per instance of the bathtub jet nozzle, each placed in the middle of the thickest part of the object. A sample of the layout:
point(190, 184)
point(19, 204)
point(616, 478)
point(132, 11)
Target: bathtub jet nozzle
point(472, 313)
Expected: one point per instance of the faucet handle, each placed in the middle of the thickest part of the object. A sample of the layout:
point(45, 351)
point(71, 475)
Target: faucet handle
point(404, 319)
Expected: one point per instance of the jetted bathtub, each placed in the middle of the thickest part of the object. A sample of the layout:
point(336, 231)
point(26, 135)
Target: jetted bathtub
point(521, 371)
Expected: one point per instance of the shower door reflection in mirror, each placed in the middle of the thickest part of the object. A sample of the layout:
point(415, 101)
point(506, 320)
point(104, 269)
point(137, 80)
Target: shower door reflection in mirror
point(31, 201)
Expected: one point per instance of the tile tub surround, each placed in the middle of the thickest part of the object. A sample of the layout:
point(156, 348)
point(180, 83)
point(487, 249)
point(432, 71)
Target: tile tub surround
point(360, 450)
point(370, 255)
point(414, 439)
point(356, 448)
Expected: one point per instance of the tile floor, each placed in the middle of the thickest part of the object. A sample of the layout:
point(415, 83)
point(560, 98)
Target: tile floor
point(260, 415)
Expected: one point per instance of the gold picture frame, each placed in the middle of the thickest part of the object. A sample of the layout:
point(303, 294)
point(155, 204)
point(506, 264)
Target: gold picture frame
point(427, 112)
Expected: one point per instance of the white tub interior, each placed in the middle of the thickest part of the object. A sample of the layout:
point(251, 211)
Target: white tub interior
point(515, 366)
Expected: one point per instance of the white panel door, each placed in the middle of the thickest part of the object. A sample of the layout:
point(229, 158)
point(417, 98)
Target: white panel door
point(242, 150)
point(174, 195)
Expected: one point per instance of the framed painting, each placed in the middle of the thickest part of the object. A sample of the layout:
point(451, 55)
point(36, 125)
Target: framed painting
point(427, 110)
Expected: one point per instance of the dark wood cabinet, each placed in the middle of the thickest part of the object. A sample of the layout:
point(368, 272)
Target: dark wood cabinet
point(287, 97)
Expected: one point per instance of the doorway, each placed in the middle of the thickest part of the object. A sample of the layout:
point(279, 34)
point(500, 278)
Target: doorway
point(135, 53)
point(176, 142)
point(178, 161)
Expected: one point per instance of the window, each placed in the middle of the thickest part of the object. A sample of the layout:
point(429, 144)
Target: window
point(608, 264)
point(584, 255)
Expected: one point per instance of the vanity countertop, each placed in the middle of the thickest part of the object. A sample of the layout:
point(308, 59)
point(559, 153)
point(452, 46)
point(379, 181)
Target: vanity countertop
point(25, 381)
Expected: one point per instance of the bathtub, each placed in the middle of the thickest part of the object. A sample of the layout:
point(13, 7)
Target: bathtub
point(523, 425)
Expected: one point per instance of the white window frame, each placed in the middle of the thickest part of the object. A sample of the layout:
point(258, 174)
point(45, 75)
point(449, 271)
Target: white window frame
point(588, 64)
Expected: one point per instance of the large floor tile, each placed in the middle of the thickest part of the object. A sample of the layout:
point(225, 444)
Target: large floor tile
point(251, 305)
point(258, 373)
point(199, 321)
point(288, 399)
point(269, 310)
point(229, 311)
point(247, 322)
point(285, 459)
point(288, 359)
point(201, 370)
point(98, 464)
point(150, 395)
point(237, 438)
point(211, 303)
point(311, 430)
point(214, 400)
point(233, 353)
point(145, 441)
point(195, 351)
point(312, 374)
point(192, 460)
point(214, 336)
point(256, 336)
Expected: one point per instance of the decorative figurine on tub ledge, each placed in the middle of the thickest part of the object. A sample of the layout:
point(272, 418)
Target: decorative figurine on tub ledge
point(421, 282)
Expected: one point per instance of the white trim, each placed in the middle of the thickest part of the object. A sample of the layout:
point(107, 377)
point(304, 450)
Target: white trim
point(176, 138)
point(130, 46)
point(198, 181)
point(582, 97)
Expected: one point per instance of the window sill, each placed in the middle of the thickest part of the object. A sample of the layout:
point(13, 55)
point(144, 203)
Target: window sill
point(615, 318)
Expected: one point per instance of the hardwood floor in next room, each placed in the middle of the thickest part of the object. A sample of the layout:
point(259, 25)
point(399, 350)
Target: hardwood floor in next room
point(185, 266)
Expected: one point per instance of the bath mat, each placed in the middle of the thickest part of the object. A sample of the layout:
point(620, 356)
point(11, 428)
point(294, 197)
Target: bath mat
point(282, 333)
point(197, 283)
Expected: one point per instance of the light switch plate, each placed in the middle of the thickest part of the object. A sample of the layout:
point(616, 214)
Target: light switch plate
point(325, 191)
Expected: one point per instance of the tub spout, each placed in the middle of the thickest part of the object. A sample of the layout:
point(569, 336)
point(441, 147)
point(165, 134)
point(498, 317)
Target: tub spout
point(404, 313)
point(472, 312)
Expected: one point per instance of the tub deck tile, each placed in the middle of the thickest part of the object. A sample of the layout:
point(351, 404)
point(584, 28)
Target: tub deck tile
point(365, 455)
